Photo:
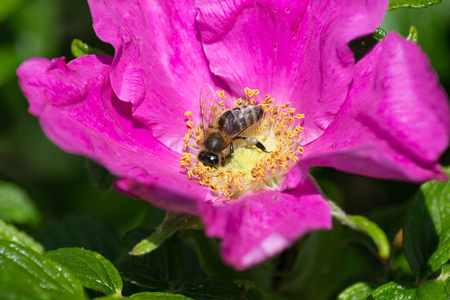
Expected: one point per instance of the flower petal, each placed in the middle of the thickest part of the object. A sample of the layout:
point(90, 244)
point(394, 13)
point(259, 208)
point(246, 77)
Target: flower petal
point(79, 112)
point(395, 122)
point(159, 65)
point(263, 224)
point(295, 51)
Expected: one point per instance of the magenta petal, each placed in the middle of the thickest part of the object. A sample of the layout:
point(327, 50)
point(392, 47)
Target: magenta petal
point(79, 112)
point(263, 224)
point(159, 64)
point(395, 122)
point(295, 51)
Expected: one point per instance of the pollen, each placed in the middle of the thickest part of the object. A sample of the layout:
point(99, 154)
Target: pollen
point(221, 94)
point(249, 169)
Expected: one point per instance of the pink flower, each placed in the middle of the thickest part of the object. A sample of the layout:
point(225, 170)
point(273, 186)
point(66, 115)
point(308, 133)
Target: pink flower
point(385, 116)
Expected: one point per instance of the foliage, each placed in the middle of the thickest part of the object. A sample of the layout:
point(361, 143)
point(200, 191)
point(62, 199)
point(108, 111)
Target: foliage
point(49, 249)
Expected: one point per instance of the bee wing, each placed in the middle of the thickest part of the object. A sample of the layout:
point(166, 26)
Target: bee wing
point(207, 100)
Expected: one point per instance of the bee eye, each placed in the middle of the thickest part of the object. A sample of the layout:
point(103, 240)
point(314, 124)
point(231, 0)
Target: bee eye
point(214, 160)
point(202, 156)
point(208, 159)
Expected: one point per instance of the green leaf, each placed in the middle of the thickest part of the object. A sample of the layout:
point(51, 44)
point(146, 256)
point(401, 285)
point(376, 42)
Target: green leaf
point(362, 224)
point(362, 45)
point(392, 291)
point(357, 291)
point(379, 34)
point(12, 234)
point(427, 228)
point(78, 232)
point(315, 265)
point(172, 223)
point(159, 270)
point(79, 48)
point(158, 296)
point(16, 206)
point(393, 4)
point(209, 255)
point(211, 288)
point(99, 176)
point(25, 274)
point(437, 290)
point(413, 34)
point(442, 254)
point(93, 270)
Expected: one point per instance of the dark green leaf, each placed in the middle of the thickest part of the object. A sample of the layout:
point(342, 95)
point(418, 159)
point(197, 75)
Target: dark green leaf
point(211, 288)
point(320, 261)
point(209, 255)
point(393, 4)
point(79, 48)
point(413, 35)
point(392, 291)
point(99, 176)
point(362, 224)
point(25, 274)
point(159, 270)
point(172, 223)
point(12, 234)
point(93, 270)
point(77, 232)
point(16, 206)
point(362, 45)
point(427, 228)
point(357, 291)
point(158, 296)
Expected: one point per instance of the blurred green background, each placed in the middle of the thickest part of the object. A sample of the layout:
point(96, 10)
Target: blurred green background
point(57, 181)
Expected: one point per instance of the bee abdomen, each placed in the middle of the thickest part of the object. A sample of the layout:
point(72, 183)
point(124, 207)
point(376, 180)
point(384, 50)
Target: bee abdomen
point(238, 119)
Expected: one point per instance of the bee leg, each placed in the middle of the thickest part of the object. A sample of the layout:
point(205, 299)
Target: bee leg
point(251, 141)
point(231, 151)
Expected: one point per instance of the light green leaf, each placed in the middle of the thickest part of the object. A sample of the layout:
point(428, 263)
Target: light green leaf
point(413, 34)
point(393, 4)
point(427, 228)
point(362, 224)
point(436, 290)
point(379, 34)
point(12, 234)
point(172, 223)
point(392, 291)
point(25, 274)
point(93, 270)
point(79, 48)
point(357, 291)
point(158, 296)
point(442, 254)
point(16, 206)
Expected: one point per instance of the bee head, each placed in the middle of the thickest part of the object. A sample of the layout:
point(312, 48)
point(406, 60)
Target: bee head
point(208, 158)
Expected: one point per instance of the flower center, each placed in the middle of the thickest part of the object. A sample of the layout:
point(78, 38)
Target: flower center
point(249, 168)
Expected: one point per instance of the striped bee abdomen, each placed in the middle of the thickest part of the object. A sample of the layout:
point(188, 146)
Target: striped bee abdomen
point(237, 119)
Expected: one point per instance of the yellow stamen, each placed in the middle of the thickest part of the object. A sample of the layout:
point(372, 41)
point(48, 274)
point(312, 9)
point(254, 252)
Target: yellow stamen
point(221, 94)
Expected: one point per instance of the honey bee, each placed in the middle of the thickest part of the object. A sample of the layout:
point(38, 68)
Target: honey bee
point(221, 129)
